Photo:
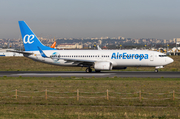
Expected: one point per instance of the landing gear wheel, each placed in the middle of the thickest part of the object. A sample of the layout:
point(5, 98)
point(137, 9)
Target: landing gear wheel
point(97, 71)
point(88, 70)
point(156, 70)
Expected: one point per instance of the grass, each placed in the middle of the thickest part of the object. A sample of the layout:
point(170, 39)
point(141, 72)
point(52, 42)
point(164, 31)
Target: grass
point(35, 106)
point(25, 64)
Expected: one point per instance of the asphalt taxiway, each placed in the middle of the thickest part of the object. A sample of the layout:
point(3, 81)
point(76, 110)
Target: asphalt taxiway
point(84, 74)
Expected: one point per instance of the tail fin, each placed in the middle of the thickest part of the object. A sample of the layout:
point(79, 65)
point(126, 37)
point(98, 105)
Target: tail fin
point(30, 41)
point(53, 45)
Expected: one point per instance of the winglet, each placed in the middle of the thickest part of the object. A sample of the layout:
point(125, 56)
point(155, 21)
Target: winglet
point(41, 52)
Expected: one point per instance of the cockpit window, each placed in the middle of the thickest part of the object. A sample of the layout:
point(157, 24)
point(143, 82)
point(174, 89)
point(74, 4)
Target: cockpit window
point(162, 55)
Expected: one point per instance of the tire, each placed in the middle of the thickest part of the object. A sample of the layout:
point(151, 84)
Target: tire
point(156, 70)
point(88, 70)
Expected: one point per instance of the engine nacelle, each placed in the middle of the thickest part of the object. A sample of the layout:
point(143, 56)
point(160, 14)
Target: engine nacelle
point(103, 66)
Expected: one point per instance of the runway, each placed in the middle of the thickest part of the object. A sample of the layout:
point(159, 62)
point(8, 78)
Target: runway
point(83, 74)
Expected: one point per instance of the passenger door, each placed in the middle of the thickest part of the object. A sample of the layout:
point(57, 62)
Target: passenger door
point(152, 57)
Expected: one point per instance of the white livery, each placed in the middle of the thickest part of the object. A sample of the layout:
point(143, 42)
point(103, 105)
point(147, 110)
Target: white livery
point(97, 59)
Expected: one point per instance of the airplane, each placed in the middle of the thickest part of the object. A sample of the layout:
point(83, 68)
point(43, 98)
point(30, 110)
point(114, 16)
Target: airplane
point(100, 60)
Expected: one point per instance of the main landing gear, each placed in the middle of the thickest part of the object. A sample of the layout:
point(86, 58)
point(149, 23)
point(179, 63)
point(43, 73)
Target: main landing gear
point(88, 70)
point(157, 67)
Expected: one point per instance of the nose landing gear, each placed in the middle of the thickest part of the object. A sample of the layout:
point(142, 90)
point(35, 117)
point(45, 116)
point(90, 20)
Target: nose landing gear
point(157, 67)
point(156, 70)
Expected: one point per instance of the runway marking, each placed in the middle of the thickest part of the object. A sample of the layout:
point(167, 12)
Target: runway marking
point(55, 74)
point(83, 74)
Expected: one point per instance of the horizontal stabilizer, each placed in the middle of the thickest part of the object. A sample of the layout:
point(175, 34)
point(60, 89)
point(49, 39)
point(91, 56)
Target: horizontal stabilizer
point(41, 52)
point(22, 52)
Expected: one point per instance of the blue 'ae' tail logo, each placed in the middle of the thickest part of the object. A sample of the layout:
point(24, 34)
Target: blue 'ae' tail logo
point(28, 39)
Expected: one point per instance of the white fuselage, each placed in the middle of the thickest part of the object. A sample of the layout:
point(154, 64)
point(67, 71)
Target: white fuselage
point(118, 58)
point(97, 59)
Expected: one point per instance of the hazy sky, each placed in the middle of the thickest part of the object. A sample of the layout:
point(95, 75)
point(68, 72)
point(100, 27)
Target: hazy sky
point(92, 18)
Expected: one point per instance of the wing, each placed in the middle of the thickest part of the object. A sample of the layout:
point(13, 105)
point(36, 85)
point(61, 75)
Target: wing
point(80, 62)
point(77, 60)
point(22, 52)
point(68, 60)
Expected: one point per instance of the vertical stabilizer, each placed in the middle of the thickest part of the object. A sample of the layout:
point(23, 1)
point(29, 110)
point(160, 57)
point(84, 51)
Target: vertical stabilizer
point(30, 41)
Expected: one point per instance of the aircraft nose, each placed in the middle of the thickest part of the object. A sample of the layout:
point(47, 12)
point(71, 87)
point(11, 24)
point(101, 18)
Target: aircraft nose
point(170, 60)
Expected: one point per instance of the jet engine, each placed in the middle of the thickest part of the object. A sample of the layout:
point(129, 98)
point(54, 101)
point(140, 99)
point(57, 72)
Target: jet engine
point(103, 66)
